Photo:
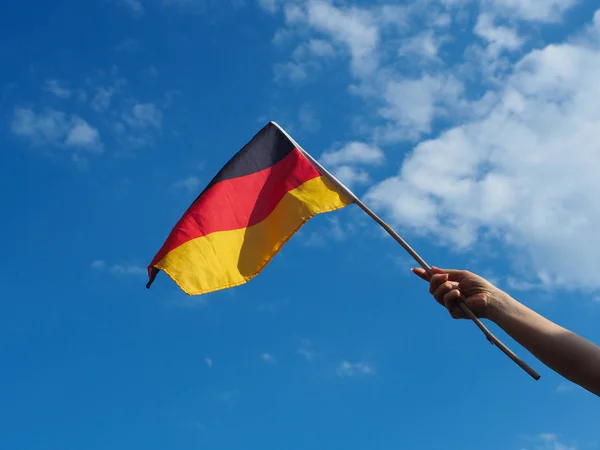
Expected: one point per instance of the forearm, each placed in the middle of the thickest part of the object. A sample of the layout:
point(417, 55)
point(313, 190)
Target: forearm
point(572, 356)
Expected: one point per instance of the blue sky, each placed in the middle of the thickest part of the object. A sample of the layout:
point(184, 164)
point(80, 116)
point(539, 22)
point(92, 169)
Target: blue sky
point(472, 127)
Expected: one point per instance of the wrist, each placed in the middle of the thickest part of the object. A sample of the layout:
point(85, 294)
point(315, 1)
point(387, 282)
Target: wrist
point(499, 306)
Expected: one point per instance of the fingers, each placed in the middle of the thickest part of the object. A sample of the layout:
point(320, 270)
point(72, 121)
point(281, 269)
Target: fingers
point(421, 273)
point(450, 301)
point(444, 291)
point(453, 274)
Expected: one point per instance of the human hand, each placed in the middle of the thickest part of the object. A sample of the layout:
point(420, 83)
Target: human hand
point(447, 286)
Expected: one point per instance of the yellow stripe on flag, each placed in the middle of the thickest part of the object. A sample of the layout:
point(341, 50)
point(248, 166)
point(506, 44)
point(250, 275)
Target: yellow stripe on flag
point(225, 259)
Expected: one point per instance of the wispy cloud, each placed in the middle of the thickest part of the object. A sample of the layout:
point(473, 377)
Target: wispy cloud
point(266, 357)
point(102, 98)
point(354, 152)
point(136, 7)
point(55, 128)
point(98, 264)
point(120, 270)
point(271, 6)
point(543, 107)
point(565, 387)
point(190, 184)
point(208, 362)
point(307, 118)
point(143, 115)
point(308, 354)
point(548, 441)
point(347, 369)
point(55, 88)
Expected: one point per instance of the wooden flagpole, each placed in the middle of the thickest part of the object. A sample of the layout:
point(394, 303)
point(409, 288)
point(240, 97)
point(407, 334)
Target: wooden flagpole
point(343, 188)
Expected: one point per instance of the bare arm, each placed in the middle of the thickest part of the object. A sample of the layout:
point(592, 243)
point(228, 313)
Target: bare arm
point(565, 352)
point(568, 354)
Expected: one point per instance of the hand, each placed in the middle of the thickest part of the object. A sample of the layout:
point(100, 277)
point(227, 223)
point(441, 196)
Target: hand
point(447, 286)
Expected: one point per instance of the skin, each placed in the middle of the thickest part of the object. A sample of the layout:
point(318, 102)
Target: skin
point(563, 351)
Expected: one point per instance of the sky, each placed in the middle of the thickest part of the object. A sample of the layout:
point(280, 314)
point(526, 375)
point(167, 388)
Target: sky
point(471, 126)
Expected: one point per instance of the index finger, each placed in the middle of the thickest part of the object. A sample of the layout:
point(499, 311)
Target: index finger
point(421, 273)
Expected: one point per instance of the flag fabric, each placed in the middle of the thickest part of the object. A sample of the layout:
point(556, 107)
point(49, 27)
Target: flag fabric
point(249, 210)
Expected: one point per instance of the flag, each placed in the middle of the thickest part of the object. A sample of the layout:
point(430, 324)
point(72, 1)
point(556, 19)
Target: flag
point(250, 209)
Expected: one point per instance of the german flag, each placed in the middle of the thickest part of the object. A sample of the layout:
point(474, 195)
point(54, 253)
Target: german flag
point(249, 210)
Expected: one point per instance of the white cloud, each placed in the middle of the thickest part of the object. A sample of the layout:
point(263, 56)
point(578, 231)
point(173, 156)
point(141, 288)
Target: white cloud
point(499, 38)
point(347, 369)
point(127, 270)
point(412, 104)
point(545, 11)
point(135, 6)
point(308, 118)
point(190, 184)
point(354, 152)
point(524, 173)
point(292, 71)
point(98, 264)
point(355, 28)
point(54, 128)
point(55, 88)
point(308, 354)
point(208, 362)
point(549, 441)
point(144, 115)
point(351, 176)
point(565, 387)
point(267, 358)
point(321, 48)
point(270, 6)
point(102, 99)
point(82, 134)
point(424, 44)
point(119, 269)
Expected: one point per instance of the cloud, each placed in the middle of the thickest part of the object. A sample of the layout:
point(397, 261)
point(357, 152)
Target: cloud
point(82, 134)
point(354, 153)
point(123, 270)
point(54, 128)
point(144, 115)
point(308, 119)
point(527, 171)
point(548, 441)
point(127, 270)
point(271, 6)
point(102, 99)
point(208, 362)
point(140, 123)
point(333, 232)
point(412, 104)
point(267, 358)
point(544, 11)
point(136, 7)
point(98, 264)
point(128, 45)
point(347, 369)
point(565, 387)
point(305, 349)
point(425, 44)
point(189, 184)
point(54, 87)
point(351, 176)
point(354, 28)
point(308, 354)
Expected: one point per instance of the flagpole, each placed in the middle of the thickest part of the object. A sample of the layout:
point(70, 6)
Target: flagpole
point(343, 188)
